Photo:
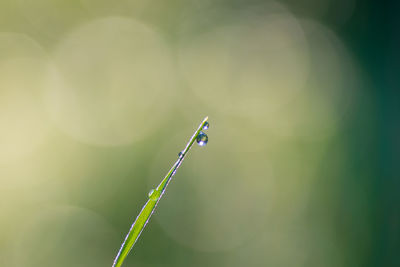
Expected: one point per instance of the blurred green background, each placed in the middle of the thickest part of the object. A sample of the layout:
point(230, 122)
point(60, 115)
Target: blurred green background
point(302, 165)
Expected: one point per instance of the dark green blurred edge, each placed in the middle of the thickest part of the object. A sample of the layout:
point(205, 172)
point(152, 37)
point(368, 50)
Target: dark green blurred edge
point(373, 34)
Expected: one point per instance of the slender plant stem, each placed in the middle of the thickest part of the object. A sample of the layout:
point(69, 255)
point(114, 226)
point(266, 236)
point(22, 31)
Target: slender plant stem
point(142, 219)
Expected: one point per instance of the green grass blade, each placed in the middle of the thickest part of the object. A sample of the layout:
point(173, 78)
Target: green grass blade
point(154, 197)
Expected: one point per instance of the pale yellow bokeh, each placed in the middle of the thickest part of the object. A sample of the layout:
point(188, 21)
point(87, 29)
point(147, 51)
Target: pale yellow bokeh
point(249, 67)
point(112, 82)
point(23, 122)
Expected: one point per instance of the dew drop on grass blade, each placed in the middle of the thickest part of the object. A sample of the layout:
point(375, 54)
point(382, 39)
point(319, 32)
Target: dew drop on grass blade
point(155, 195)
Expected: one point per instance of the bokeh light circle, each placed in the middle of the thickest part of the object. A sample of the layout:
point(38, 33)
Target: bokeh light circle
point(329, 93)
point(111, 83)
point(293, 77)
point(247, 67)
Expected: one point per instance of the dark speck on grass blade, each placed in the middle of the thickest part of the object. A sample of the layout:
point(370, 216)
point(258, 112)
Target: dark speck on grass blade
point(155, 195)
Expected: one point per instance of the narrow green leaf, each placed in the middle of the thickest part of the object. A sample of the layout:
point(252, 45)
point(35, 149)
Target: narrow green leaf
point(154, 197)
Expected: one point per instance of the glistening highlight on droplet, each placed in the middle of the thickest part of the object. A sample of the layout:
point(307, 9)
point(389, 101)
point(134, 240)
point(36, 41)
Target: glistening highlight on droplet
point(202, 139)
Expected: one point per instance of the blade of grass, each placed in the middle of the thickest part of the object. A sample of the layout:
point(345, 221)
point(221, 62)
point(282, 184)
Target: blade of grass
point(142, 219)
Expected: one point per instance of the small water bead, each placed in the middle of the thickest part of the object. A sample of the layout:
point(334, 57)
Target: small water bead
point(151, 192)
point(202, 139)
point(206, 125)
point(154, 194)
point(180, 154)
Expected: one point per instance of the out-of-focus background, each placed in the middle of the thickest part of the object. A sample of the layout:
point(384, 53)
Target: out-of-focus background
point(302, 166)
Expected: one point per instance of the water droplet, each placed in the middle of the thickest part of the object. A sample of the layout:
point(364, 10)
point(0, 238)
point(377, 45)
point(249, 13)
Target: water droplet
point(154, 194)
point(180, 154)
point(206, 125)
point(202, 139)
